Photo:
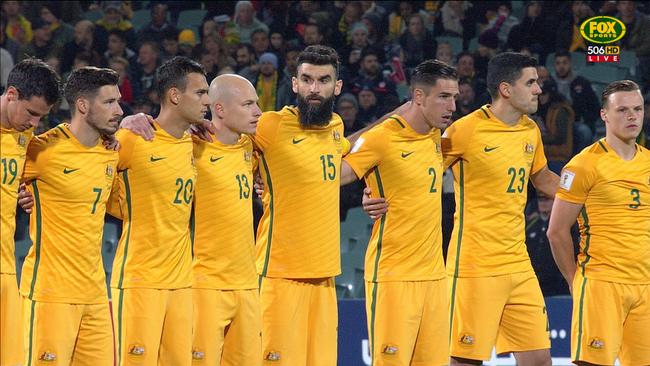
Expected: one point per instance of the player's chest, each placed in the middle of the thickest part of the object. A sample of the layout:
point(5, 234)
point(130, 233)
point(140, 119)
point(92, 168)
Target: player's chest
point(224, 169)
point(622, 186)
point(12, 158)
point(412, 165)
point(498, 151)
point(159, 163)
point(69, 176)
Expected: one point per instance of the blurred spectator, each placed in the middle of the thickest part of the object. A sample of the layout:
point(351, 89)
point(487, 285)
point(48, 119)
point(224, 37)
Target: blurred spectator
point(374, 24)
point(6, 64)
point(312, 35)
point(371, 76)
point(286, 96)
point(275, 14)
point(55, 63)
point(121, 66)
point(186, 42)
point(11, 46)
point(368, 110)
point(351, 54)
point(637, 38)
point(260, 41)
point(466, 70)
point(216, 46)
point(245, 61)
point(84, 41)
point(158, 26)
point(445, 53)
point(18, 27)
point(41, 45)
point(113, 19)
point(266, 82)
point(568, 31)
point(502, 23)
point(577, 90)
point(352, 12)
point(143, 105)
point(488, 45)
point(245, 21)
point(207, 61)
point(299, 14)
point(644, 136)
point(62, 33)
point(371, 8)
point(555, 119)
point(452, 15)
point(542, 74)
point(117, 47)
point(170, 44)
point(397, 20)
point(527, 33)
point(466, 102)
point(550, 279)
point(417, 43)
point(277, 44)
point(145, 68)
point(348, 108)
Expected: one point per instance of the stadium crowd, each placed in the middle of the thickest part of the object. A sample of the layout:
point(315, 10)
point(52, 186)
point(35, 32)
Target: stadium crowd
point(379, 43)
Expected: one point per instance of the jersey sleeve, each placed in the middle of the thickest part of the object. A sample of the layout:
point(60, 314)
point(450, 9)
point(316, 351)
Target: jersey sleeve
point(576, 180)
point(539, 160)
point(455, 140)
point(113, 207)
point(37, 157)
point(367, 151)
point(127, 141)
point(267, 127)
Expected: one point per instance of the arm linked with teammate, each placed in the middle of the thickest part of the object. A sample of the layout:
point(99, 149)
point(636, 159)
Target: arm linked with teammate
point(563, 216)
point(546, 181)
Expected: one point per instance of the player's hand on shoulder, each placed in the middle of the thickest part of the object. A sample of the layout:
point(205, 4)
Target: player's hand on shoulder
point(25, 198)
point(374, 207)
point(110, 142)
point(258, 184)
point(140, 124)
point(203, 130)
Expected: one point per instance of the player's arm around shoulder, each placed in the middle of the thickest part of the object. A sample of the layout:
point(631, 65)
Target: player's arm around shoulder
point(366, 153)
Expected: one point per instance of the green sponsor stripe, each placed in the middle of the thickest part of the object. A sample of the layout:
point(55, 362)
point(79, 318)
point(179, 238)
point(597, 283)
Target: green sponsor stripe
point(31, 333)
point(192, 227)
point(373, 312)
point(461, 214)
point(580, 313)
point(119, 325)
point(269, 184)
point(585, 220)
point(382, 224)
point(125, 176)
point(37, 242)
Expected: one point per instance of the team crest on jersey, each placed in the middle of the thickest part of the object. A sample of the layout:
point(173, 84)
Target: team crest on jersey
point(337, 136)
point(272, 356)
point(47, 357)
point(22, 140)
point(529, 148)
point(466, 339)
point(389, 349)
point(109, 171)
point(247, 156)
point(597, 343)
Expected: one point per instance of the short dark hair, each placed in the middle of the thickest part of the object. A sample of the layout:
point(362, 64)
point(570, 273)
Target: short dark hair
point(259, 30)
point(563, 53)
point(506, 67)
point(171, 34)
point(173, 74)
point(617, 86)
point(34, 78)
point(427, 73)
point(119, 34)
point(86, 81)
point(320, 55)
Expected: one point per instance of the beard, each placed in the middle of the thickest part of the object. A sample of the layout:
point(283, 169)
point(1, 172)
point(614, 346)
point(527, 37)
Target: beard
point(315, 114)
point(93, 120)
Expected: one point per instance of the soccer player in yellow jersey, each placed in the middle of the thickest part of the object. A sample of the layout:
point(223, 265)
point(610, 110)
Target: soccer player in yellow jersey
point(406, 284)
point(66, 318)
point(227, 320)
point(32, 89)
point(298, 251)
point(152, 273)
point(607, 188)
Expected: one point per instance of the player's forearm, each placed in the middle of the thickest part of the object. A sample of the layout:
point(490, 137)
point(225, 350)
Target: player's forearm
point(546, 182)
point(562, 249)
point(347, 174)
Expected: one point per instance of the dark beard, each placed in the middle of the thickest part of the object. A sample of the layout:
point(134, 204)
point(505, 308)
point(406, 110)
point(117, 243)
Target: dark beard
point(315, 115)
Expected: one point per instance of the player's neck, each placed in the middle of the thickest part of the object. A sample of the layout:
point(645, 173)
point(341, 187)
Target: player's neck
point(505, 113)
point(224, 134)
point(172, 123)
point(83, 132)
point(414, 118)
point(626, 150)
point(4, 115)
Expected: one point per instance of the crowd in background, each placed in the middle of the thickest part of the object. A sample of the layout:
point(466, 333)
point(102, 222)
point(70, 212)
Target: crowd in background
point(379, 44)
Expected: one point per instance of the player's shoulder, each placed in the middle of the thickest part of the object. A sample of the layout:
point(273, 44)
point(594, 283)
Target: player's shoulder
point(289, 113)
point(52, 137)
point(589, 157)
point(471, 120)
point(246, 142)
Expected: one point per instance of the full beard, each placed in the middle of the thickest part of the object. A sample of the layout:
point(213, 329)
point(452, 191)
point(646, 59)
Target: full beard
point(315, 114)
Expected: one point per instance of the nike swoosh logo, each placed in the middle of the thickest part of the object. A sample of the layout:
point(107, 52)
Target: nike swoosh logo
point(153, 158)
point(405, 155)
point(68, 171)
point(214, 159)
point(297, 141)
point(488, 149)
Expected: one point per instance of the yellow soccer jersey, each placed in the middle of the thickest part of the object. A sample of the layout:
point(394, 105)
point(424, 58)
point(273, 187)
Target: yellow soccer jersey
point(223, 238)
point(492, 163)
point(156, 187)
point(13, 147)
point(70, 184)
point(615, 220)
point(299, 233)
point(405, 168)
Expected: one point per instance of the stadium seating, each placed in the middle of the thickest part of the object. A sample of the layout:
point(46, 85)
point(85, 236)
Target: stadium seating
point(603, 73)
point(191, 19)
point(355, 233)
point(141, 18)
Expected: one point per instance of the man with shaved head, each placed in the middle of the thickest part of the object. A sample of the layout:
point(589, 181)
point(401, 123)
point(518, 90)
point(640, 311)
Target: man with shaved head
point(227, 322)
